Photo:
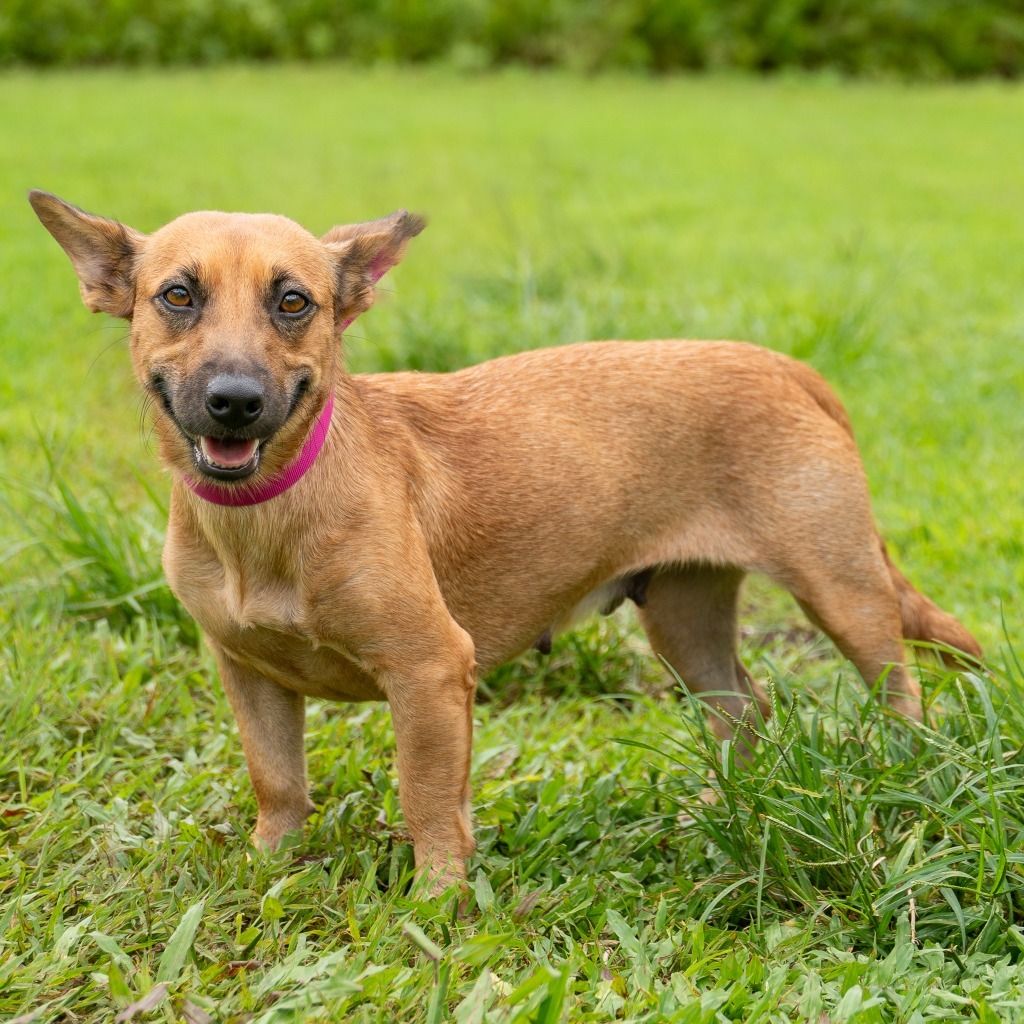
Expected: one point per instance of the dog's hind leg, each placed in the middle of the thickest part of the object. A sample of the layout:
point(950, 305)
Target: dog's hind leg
point(689, 617)
point(859, 608)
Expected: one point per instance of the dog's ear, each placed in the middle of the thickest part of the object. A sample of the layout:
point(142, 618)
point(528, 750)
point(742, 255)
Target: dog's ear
point(102, 252)
point(364, 253)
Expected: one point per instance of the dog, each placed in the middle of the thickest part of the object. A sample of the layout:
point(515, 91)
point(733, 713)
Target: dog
point(389, 537)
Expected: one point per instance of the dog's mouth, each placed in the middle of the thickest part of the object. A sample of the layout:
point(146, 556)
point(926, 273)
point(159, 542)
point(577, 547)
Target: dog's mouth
point(227, 458)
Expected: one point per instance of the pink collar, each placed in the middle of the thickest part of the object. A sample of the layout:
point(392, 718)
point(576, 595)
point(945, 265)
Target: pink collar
point(291, 474)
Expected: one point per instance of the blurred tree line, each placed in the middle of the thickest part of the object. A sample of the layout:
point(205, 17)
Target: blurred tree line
point(913, 38)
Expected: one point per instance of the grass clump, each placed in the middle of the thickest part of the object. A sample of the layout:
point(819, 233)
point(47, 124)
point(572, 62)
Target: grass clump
point(103, 559)
point(857, 818)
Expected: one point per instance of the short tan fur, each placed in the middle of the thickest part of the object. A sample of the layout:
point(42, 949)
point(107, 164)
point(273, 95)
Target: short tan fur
point(453, 520)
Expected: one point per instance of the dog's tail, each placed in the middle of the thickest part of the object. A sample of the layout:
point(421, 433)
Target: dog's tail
point(926, 622)
point(923, 620)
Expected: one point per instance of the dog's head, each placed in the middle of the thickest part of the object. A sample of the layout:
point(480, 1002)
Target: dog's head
point(235, 321)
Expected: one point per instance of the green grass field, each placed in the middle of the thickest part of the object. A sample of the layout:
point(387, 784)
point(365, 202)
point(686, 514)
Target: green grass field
point(860, 871)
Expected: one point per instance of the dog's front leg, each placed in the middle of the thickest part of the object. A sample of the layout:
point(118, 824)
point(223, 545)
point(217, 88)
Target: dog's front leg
point(432, 711)
point(271, 721)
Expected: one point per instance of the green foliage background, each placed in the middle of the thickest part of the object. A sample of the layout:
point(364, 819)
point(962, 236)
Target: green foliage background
point(859, 871)
point(918, 38)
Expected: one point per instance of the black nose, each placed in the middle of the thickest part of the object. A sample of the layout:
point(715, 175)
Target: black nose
point(234, 399)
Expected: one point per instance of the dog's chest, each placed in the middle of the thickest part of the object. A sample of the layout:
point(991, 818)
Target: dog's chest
point(257, 612)
point(242, 612)
point(251, 600)
point(230, 596)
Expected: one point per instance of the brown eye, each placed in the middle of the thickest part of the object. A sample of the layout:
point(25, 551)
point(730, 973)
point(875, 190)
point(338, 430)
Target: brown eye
point(293, 302)
point(178, 296)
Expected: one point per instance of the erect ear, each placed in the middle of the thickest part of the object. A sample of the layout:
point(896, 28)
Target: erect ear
point(364, 253)
point(102, 252)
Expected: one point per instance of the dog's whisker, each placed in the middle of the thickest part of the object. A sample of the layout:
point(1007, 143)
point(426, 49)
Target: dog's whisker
point(106, 348)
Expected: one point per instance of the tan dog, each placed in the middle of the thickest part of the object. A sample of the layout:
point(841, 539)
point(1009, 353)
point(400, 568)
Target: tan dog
point(427, 527)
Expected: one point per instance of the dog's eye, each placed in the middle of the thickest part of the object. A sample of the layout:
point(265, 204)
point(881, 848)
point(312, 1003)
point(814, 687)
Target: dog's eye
point(293, 302)
point(178, 296)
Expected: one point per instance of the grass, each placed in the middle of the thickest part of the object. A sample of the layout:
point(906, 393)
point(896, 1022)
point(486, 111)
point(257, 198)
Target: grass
point(858, 870)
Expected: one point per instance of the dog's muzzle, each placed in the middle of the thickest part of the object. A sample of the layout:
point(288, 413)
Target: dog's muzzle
point(228, 417)
point(234, 401)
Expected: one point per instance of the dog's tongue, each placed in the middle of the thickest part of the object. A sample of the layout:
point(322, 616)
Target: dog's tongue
point(227, 452)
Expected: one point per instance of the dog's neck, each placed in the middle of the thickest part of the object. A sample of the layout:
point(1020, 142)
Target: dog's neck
point(291, 474)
